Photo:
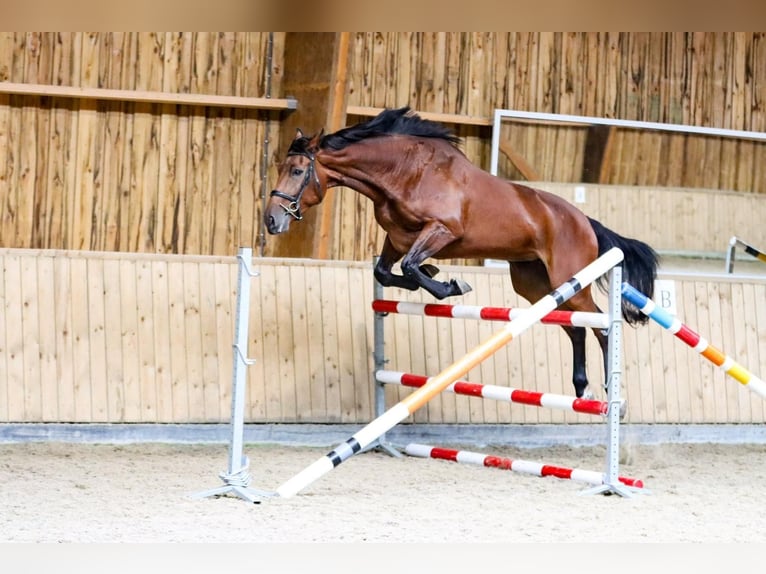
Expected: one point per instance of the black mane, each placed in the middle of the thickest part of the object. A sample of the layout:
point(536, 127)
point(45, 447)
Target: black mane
point(390, 121)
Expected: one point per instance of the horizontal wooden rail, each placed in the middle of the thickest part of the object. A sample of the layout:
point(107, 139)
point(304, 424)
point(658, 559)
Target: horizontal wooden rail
point(148, 96)
point(434, 116)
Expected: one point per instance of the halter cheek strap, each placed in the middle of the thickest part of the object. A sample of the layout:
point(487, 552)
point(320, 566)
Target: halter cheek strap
point(294, 207)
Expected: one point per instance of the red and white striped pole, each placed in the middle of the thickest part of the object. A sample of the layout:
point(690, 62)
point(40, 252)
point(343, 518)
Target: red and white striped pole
point(506, 394)
point(524, 466)
point(438, 383)
point(569, 318)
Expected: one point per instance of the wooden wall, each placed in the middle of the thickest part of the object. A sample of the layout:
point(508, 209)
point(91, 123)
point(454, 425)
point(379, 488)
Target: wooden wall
point(161, 178)
point(698, 221)
point(108, 337)
point(124, 176)
point(694, 78)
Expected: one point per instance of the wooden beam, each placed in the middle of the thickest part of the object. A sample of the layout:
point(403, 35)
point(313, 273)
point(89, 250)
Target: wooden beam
point(460, 119)
point(308, 73)
point(529, 173)
point(599, 145)
point(148, 96)
point(336, 119)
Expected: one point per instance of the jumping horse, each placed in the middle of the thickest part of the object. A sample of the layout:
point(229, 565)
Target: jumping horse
point(432, 202)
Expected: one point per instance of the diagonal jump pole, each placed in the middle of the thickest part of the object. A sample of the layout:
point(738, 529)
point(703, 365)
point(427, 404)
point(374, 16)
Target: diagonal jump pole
point(438, 383)
point(694, 340)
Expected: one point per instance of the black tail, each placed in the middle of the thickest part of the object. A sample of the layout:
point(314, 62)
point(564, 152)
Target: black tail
point(639, 267)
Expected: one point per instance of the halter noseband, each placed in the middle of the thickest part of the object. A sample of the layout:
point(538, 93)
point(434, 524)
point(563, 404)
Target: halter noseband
point(294, 207)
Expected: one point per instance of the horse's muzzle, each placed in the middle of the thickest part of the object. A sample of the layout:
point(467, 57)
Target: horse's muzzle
point(276, 224)
point(276, 219)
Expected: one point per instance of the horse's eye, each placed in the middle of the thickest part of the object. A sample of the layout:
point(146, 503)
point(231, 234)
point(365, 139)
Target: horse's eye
point(296, 171)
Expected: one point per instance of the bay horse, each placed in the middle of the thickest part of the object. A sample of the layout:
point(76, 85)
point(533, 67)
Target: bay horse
point(432, 202)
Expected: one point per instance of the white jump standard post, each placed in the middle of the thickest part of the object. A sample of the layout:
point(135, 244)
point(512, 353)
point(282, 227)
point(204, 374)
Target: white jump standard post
point(612, 483)
point(379, 360)
point(237, 478)
point(438, 383)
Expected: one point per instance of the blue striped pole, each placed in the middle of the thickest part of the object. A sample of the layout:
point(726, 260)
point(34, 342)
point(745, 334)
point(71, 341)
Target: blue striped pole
point(693, 340)
point(438, 383)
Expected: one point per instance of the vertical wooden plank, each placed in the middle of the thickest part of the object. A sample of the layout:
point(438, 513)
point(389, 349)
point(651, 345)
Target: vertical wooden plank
point(194, 341)
point(163, 343)
point(314, 391)
point(83, 405)
point(708, 383)
point(114, 50)
point(64, 338)
point(728, 344)
point(179, 379)
point(39, 64)
point(145, 155)
point(6, 51)
point(125, 177)
point(115, 377)
point(304, 340)
point(48, 353)
point(345, 349)
point(736, 62)
point(145, 339)
point(270, 329)
point(211, 386)
point(88, 149)
point(96, 340)
point(691, 395)
point(130, 346)
point(331, 344)
point(13, 149)
point(743, 328)
point(283, 391)
point(14, 341)
point(30, 334)
point(5, 397)
point(756, 351)
point(225, 305)
point(256, 392)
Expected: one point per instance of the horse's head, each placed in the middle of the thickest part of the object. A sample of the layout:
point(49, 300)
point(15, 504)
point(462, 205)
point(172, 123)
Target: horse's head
point(298, 184)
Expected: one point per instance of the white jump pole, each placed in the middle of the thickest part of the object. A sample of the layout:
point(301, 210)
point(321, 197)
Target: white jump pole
point(237, 477)
point(438, 383)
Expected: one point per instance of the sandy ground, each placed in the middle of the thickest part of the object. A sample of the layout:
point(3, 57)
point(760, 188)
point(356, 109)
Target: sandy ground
point(57, 492)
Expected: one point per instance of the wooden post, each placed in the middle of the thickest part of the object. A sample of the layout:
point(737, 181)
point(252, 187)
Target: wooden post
point(316, 76)
point(336, 119)
point(599, 146)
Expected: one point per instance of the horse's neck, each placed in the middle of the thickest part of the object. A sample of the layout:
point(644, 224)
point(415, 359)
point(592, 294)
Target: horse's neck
point(364, 177)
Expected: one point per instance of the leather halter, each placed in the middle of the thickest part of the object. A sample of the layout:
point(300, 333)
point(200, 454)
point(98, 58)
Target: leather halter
point(294, 207)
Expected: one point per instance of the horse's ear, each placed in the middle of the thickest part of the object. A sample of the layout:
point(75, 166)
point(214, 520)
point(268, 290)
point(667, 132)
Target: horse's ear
point(316, 140)
point(298, 134)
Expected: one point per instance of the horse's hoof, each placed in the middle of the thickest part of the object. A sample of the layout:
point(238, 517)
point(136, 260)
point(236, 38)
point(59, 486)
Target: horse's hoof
point(461, 286)
point(430, 270)
point(623, 408)
point(587, 394)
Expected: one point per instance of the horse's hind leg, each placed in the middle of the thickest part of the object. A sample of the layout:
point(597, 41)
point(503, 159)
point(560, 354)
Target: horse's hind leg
point(385, 277)
point(530, 280)
point(579, 374)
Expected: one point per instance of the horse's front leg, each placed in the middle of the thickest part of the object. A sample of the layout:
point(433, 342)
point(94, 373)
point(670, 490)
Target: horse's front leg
point(387, 278)
point(432, 239)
